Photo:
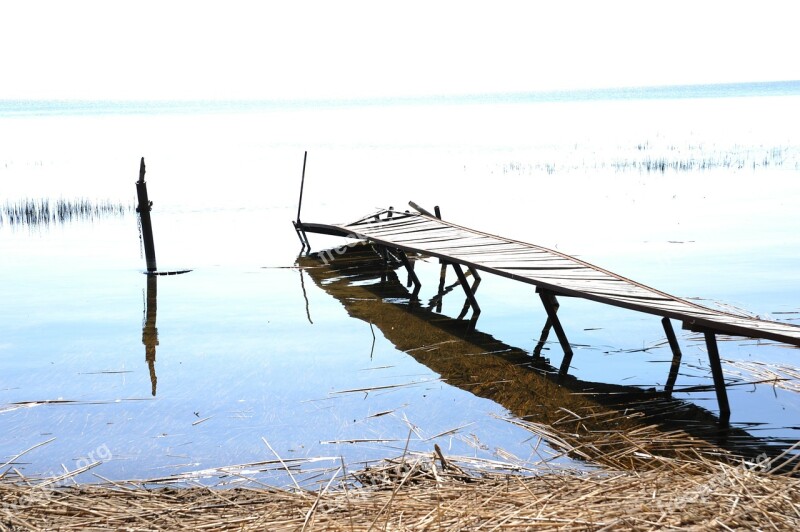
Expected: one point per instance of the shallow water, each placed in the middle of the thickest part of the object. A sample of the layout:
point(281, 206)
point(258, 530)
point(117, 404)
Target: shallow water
point(256, 358)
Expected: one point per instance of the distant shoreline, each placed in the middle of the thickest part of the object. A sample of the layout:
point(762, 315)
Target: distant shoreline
point(31, 108)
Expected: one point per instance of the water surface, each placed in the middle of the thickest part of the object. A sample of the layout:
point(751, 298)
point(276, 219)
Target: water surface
point(256, 356)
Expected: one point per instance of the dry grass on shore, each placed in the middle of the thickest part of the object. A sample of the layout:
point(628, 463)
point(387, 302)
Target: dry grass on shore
point(425, 493)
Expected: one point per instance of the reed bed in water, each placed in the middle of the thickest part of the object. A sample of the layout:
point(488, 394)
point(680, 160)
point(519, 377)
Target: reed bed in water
point(421, 492)
point(42, 212)
point(660, 159)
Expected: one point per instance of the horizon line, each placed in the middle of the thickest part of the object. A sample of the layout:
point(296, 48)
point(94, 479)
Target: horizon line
point(643, 92)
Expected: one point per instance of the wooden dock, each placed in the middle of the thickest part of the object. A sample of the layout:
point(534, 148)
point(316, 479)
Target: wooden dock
point(553, 274)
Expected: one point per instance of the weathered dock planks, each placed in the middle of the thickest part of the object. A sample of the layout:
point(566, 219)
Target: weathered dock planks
point(548, 269)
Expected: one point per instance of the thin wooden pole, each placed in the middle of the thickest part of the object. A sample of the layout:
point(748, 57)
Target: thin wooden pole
point(302, 183)
point(145, 205)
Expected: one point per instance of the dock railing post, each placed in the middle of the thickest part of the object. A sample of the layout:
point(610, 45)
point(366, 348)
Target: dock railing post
point(144, 207)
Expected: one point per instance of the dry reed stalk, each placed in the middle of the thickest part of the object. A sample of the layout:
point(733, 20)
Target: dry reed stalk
point(779, 375)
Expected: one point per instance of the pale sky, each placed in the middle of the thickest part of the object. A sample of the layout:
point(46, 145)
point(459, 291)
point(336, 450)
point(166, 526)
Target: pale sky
point(342, 49)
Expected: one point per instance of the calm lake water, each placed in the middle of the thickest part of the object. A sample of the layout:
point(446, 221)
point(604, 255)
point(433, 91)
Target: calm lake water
point(259, 353)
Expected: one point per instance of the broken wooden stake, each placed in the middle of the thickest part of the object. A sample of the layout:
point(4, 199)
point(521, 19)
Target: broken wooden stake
point(144, 207)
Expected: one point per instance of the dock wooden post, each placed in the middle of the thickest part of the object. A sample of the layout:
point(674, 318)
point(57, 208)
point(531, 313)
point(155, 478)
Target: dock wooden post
point(467, 288)
point(551, 306)
point(412, 275)
point(144, 207)
point(473, 289)
point(475, 276)
point(442, 270)
point(716, 373)
point(442, 276)
point(676, 355)
point(537, 351)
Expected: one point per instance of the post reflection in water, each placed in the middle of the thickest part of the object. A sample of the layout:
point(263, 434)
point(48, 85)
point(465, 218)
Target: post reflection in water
point(149, 330)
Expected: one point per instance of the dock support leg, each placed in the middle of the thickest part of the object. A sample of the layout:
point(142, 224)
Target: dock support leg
point(537, 351)
point(477, 278)
point(550, 306)
point(412, 276)
point(306, 246)
point(473, 288)
point(442, 277)
point(436, 301)
point(467, 288)
point(676, 355)
point(384, 255)
point(443, 270)
point(719, 379)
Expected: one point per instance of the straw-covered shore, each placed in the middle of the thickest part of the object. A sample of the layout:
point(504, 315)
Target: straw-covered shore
point(433, 492)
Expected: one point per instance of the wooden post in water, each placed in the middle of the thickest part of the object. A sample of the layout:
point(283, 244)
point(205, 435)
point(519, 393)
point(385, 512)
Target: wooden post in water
point(144, 215)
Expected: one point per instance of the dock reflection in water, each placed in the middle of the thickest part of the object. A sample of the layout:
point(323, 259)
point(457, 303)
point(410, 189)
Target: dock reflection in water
point(591, 416)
